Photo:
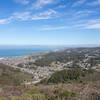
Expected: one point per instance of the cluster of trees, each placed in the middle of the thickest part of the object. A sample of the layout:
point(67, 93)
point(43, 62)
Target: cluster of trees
point(67, 75)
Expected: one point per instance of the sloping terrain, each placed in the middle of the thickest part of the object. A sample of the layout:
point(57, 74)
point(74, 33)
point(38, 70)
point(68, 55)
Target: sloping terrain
point(12, 76)
point(74, 75)
point(70, 91)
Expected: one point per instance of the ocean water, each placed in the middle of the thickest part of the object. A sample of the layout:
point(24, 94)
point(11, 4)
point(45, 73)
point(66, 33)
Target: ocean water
point(12, 51)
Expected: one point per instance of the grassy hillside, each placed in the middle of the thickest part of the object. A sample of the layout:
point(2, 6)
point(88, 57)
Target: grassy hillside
point(62, 90)
point(11, 76)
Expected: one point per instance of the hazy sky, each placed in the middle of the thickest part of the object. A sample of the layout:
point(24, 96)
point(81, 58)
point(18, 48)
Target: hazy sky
point(55, 22)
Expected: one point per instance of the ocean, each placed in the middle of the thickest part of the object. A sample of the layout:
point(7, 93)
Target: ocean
point(12, 51)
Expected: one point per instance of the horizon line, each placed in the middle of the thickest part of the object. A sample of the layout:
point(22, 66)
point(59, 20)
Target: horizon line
point(49, 44)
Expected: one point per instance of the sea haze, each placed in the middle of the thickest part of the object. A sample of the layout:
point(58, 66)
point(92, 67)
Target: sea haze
point(12, 51)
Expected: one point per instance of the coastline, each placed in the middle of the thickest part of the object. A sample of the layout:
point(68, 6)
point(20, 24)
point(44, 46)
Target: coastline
point(12, 56)
point(30, 53)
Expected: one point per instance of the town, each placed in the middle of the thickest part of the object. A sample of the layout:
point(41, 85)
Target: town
point(43, 65)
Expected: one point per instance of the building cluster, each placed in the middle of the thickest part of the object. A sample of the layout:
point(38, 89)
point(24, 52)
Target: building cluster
point(42, 72)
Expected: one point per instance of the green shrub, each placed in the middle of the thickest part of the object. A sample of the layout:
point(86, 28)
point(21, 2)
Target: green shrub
point(3, 98)
point(15, 98)
point(74, 94)
point(38, 97)
point(66, 93)
point(57, 91)
point(33, 91)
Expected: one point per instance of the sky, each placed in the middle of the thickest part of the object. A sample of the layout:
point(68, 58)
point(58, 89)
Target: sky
point(49, 22)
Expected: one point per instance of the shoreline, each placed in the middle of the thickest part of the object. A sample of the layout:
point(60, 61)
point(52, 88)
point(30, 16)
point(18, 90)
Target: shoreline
point(33, 54)
point(24, 55)
point(14, 55)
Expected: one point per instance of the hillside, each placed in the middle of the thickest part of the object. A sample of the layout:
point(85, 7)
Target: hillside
point(76, 57)
point(11, 76)
point(70, 91)
point(72, 76)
